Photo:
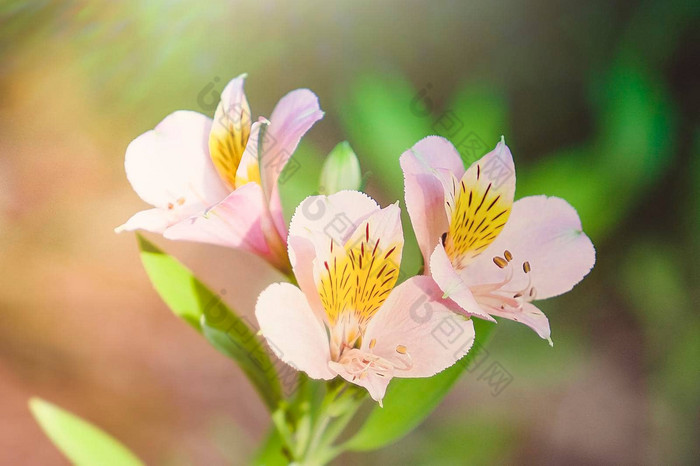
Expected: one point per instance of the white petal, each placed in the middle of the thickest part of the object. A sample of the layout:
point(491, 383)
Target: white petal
point(169, 166)
point(292, 330)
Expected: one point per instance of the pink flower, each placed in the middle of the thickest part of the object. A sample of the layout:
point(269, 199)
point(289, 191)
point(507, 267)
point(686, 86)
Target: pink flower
point(491, 256)
point(346, 318)
point(215, 181)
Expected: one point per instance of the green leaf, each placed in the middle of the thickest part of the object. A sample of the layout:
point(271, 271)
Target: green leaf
point(409, 401)
point(194, 302)
point(80, 441)
point(252, 358)
point(172, 281)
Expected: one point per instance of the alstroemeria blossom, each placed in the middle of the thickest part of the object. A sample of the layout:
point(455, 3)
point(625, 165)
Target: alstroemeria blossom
point(346, 317)
point(215, 181)
point(490, 255)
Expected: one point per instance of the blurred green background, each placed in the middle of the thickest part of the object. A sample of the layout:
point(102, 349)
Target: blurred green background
point(597, 100)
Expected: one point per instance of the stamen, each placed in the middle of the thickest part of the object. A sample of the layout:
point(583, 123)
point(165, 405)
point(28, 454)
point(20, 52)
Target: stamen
point(407, 362)
point(372, 343)
point(500, 262)
point(359, 365)
point(497, 296)
point(401, 349)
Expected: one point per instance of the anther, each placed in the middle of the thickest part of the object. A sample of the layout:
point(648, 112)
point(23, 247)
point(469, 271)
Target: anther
point(500, 262)
point(508, 255)
point(517, 295)
point(401, 349)
point(170, 206)
point(533, 291)
point(372, 343)
point(444, 238)
point(526, 267)
point(181, 201)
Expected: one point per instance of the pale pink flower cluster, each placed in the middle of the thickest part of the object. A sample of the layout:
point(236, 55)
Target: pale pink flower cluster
point(485, 255)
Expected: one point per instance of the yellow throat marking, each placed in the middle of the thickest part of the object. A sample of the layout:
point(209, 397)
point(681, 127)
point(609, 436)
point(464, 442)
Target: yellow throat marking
point(359, 277)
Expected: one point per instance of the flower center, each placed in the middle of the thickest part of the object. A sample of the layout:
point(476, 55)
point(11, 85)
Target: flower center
point(497, 296)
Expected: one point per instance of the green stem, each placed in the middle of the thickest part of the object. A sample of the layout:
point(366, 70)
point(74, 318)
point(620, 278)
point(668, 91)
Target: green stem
point(279, 419)
point(337, 428)
point(337, 410)
point(317, 436)
point(334, 391)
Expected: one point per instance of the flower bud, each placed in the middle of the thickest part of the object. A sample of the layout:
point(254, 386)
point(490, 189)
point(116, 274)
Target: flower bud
point(341, 170)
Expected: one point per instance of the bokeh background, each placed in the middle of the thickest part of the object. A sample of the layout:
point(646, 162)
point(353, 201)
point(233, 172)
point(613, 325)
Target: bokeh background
point(598, 101)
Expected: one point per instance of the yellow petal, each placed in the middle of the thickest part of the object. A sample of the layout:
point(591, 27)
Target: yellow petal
point(479, 205)
point(230, 131)
point(358, 277)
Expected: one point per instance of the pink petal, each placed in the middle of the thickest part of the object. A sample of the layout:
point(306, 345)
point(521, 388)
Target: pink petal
point(453, 285)
point(292, 117)
point(249, 172)
point(154, 220)
point(169, 166)
point(234, 222)
point(276, 213)
point(423, 165)
point(316, 221)
point(546, 232)
point(230, 130)
point(295, 335)
point(416, 320)
point(530, 316)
